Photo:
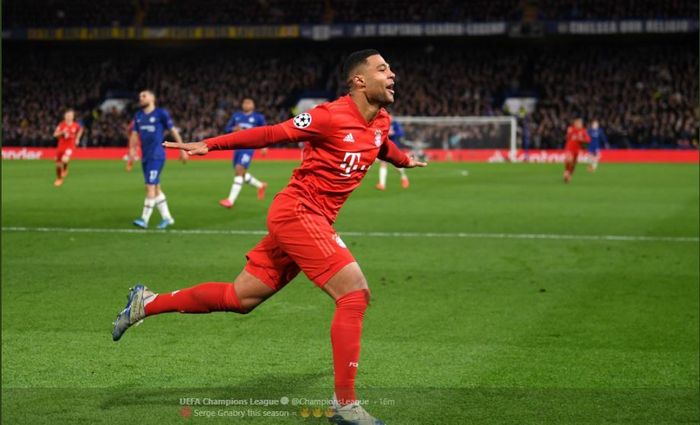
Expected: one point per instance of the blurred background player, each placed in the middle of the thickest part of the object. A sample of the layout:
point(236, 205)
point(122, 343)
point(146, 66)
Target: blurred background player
point(68, 133)
point(150, 125)
point(598, 140)
point(396, 135)
point(576, 135)
point(242, 120)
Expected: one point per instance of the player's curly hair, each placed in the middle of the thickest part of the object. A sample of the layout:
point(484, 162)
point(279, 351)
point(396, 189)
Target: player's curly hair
point(353, 60)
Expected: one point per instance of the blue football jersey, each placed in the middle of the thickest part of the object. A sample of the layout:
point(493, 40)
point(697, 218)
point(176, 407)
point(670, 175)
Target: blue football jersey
point(244, 121)
point(598, 139)
point(151, 129)
point(396, 132)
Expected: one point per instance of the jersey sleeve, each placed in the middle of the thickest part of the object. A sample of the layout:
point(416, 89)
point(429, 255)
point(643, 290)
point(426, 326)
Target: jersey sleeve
point(166, 119)
point(311, 126)
point(390, 153)
point(135, 126)
point(261, 119)
point(586, 136)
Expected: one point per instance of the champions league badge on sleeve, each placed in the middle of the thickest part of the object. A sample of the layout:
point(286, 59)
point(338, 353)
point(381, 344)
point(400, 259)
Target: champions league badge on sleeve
point(302, 120)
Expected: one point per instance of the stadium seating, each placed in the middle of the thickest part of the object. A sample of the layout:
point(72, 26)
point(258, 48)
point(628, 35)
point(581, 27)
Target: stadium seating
point(54, 13)
point(643, 96)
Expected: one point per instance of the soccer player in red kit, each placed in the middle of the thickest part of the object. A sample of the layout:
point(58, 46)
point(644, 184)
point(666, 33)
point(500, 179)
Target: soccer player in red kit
point(68, 133)
point(576, 135)
point(300, 220)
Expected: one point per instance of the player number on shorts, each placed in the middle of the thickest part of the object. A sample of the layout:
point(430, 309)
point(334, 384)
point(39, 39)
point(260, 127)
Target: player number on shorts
point(152, 175)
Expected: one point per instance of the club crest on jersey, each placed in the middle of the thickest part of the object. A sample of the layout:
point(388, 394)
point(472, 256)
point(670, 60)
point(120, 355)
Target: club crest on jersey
point(152, 119)
point(378, 137)
point(302, 120)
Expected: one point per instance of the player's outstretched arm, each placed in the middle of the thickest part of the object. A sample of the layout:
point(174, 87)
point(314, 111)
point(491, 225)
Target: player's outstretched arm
point(195, 148)
point(253, 138)
point(309, 126)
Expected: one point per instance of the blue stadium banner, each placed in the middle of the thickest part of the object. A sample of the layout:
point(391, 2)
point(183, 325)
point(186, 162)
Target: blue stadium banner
point(632, 26)
point(154, 33)
point(326, 32)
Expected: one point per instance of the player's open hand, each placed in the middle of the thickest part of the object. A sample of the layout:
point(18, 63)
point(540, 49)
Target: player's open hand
point(196, 148)
point(413, 162)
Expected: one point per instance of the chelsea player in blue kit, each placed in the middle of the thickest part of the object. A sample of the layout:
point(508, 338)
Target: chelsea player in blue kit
point(598, 141)
point(150, 125)
point(242, 158)
point(396, 134)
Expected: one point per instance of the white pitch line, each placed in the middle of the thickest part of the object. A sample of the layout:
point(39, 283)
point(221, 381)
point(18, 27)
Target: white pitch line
point(546, 236)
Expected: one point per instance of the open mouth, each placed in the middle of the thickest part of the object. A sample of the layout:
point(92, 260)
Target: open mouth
point(390, 88)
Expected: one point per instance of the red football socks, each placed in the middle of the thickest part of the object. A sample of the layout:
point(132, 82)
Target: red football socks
point(203, 298)
point(346, 330)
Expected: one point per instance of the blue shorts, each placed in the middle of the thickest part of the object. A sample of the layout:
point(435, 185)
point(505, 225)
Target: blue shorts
point(152, 169)
point(243, 157)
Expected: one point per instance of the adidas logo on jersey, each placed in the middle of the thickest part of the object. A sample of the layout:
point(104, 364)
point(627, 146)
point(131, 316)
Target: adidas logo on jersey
point(349, 138)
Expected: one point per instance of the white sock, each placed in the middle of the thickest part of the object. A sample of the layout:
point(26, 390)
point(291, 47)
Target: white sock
point(252, 180)
point(402, 172)
point(162, 205)
point(235, 188)
point(382, 174)
point(148, 205)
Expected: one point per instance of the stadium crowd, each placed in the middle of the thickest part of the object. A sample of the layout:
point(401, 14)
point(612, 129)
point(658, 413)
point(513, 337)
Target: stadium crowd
point(643, 96)
point(57, 13)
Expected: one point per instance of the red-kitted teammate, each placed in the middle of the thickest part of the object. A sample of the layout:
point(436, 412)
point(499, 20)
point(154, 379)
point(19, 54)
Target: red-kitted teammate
point(68, 133)
point(576, 136)
point(300, 220)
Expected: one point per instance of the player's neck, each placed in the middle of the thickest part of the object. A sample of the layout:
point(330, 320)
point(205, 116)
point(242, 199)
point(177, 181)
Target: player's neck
point(367, 110)
point(148, 109)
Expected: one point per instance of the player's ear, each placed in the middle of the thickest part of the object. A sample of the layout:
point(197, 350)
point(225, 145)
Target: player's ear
point(358, 80)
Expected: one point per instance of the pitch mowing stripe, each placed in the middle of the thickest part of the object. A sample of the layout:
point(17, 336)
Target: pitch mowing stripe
point(545, 236)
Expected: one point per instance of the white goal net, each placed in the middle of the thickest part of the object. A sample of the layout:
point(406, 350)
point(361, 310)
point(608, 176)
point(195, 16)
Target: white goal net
point(457, 133)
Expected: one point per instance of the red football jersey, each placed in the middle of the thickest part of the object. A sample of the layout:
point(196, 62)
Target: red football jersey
point(576, 136)
point(341, 148)
point(68, 134)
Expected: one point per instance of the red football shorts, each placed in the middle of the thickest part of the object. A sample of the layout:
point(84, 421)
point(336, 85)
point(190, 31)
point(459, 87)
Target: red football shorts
point(298, 239)
point(63, 151)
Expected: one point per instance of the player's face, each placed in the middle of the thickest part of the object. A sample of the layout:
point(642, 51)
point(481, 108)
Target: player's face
point(578, 123)
point(146, 98)
point(594, 124)
point(69, 116)
point(379, 80)
point(248, 105)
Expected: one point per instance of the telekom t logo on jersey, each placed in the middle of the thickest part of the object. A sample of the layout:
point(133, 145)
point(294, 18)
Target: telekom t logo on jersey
point(350, 163)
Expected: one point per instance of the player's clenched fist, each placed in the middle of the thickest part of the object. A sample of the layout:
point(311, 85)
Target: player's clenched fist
point(196, 148)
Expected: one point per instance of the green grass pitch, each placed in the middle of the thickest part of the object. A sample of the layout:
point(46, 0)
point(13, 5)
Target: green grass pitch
point(479, 328)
